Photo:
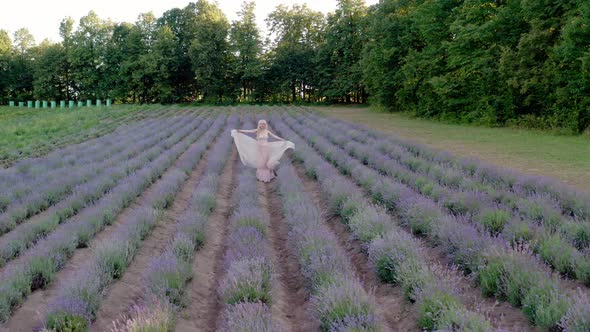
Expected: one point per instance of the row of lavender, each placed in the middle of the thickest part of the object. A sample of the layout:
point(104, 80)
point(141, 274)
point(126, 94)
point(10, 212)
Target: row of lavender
point(505, 272)
point(38, 267)
point(42, 186)
point(63, 157)
point(338, 299)
point(572, 202)
point(23, 155)
point(248, 283)
point(169, 272)
point(247, 286)
point(78, 300)
point(396, 255)
point(531, 218)
point(86, 194)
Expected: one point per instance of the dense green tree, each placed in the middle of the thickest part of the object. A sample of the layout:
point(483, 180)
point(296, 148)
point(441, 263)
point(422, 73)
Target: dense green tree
point(66, 31)
point(49, 82)
point(297, 33)
point(246, 44)
point(180, 69)
point(164, 51)
point(20, 71)
point(142, 63)
point(210, 52)
point(339, 56)
point(5, 58)
point(5, 43)
point(88, 55)
point(389, 40)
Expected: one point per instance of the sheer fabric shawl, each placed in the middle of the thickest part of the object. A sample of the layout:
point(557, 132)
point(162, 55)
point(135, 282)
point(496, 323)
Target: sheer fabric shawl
point(248, 150)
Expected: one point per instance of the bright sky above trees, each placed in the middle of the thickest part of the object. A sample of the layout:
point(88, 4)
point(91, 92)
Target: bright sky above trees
point(42, 17)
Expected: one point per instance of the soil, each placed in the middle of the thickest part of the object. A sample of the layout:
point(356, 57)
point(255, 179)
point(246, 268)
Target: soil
point(30, 315)
point(291, 308)
point(204, 306)
point(130, 289)
point(502, 315)
point(398, 314)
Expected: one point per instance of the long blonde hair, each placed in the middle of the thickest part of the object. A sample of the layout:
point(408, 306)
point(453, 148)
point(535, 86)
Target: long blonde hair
point(258, 130)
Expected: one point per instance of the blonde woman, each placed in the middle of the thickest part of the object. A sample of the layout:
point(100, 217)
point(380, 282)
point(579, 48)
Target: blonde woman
point(259, 153)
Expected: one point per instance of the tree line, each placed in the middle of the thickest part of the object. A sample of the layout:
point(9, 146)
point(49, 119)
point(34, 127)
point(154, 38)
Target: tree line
point(522, 62)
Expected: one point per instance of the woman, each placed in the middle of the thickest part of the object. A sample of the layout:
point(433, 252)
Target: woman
point(260, 153)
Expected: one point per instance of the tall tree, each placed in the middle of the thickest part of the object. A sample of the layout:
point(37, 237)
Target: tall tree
point(66, 31)
point(5, 58)
point(209, 51)
point(246, 44)
point(165, 55)
point(297, 33)
point(88, 56)
point(340, 53)
point(48, 67)
point(180, 21)
point(390, 37)
point(21, 67)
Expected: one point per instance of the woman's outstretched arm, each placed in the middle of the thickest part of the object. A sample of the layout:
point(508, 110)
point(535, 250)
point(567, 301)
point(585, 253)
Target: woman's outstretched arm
point(247, 130)
point(275, 136)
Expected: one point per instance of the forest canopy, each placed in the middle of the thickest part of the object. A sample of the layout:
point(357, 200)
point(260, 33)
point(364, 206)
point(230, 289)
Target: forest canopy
point(514, 62)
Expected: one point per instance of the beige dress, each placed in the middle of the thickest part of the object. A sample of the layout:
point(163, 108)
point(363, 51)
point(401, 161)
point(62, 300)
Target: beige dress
point(261, 154)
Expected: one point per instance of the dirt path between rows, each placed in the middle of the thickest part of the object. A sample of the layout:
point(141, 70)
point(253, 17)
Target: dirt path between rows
point(291, 307)
point(397, 314)
point(501, 314)
point(130, 289)
point(30, 316)
point(202, 311)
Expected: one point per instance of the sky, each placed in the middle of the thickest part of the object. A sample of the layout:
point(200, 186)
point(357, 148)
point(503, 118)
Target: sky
point(42, 17)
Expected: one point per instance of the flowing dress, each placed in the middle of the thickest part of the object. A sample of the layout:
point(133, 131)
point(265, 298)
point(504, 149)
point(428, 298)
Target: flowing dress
point(260, 153)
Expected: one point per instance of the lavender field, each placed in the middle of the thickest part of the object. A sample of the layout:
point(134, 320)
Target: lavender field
point(156, 226)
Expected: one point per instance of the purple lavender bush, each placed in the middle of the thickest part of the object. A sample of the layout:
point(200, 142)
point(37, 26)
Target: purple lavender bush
point(577, 319)
point(344, 301)
point(248, 317)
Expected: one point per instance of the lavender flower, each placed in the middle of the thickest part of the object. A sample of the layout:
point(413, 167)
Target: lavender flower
point(577, 319)
point(248, 280)
point(248, 317)
point(156, 316)
point(344, 301)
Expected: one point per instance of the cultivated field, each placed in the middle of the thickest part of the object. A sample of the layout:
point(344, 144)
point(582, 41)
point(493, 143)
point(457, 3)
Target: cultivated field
point(154, 223)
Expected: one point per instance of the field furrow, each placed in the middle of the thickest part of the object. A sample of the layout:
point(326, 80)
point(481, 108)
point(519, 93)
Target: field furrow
point(40, 266)
point(203, 305)
point(292, 307)
point(390, 301)
point(156, 225)
point(498, 268)
point(25, 236)
point(110, 257)
point(130, 288)
point(530, 219)
point(28, 233)
point(369, 224)
point(38, 187)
